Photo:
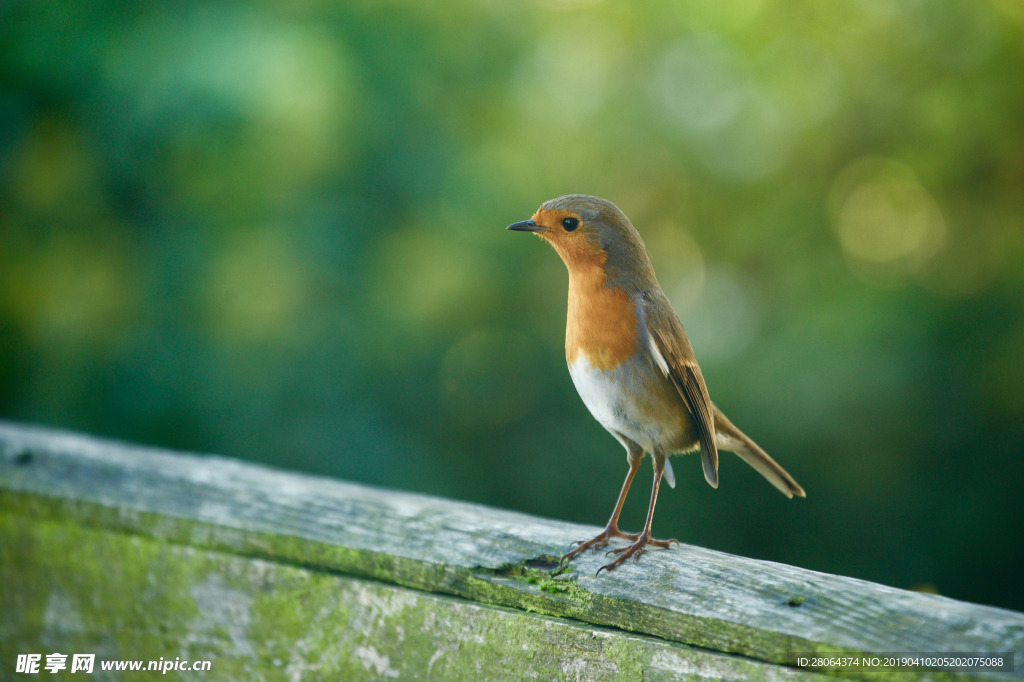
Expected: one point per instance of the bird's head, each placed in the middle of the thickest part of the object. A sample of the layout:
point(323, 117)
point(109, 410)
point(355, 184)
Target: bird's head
point(589, 232)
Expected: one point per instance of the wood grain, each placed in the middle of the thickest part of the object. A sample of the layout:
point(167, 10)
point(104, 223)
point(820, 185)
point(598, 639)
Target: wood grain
point(689, 595)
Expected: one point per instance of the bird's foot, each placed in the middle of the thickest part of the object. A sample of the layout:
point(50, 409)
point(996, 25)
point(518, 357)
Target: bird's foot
point(635, 550)
point(612, 531)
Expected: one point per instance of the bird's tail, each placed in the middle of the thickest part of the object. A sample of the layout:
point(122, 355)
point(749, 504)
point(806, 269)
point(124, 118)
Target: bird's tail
point(728, 437)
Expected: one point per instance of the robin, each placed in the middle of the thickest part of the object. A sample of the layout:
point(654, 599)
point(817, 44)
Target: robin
point(631, 362)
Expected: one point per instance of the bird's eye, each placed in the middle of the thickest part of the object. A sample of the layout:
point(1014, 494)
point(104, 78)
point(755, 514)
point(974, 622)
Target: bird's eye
point(570, 224)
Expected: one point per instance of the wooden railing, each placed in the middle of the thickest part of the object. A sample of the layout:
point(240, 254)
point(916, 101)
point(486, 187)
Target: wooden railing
point(136, 554)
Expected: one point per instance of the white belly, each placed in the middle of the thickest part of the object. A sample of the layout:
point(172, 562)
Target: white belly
point(611, 396)
point(598, 390)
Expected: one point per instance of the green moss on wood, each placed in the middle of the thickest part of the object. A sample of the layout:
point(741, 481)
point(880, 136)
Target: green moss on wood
point(519, 586)
point(88, 489)
point(507, 586)
point(122, 596)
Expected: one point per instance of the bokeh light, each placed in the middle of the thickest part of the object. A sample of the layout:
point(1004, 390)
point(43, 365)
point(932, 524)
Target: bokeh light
point(275, 231)
point(884, 218)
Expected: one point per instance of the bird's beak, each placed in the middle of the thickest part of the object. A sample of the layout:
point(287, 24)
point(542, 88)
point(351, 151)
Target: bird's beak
point(525, 226)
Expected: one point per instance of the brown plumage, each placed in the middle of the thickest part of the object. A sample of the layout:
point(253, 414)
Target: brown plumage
point(630, 360)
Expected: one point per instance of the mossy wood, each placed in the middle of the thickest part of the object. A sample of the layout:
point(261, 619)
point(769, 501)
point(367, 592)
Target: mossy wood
point(133, 553)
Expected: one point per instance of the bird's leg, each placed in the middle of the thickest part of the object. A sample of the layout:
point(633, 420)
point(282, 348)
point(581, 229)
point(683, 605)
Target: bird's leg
point(612, 529)
point(637, 548)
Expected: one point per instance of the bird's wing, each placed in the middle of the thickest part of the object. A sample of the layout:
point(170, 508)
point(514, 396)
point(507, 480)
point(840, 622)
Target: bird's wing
point(679, 364)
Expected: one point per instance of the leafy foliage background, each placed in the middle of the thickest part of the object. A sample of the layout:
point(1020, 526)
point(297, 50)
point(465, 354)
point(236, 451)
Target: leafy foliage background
point(275, 230)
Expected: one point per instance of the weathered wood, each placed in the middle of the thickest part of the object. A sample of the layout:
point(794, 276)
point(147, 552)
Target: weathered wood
point(255, 619)
point(228, 518)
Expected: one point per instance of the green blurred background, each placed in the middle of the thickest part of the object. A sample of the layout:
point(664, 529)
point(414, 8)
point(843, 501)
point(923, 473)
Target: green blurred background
point(275, 230)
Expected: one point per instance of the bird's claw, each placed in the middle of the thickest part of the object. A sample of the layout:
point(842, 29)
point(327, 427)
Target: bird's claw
point(598, 541)
point(634, 550)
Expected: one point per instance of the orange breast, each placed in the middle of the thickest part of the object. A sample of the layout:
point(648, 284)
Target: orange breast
point(601, 323)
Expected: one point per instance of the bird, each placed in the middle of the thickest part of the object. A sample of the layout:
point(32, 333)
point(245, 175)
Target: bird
point(632, 363)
